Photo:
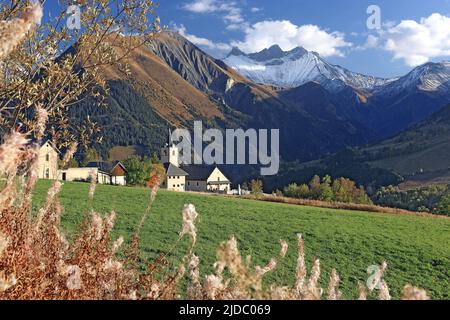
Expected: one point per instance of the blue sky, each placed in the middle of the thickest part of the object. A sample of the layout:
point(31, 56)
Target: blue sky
point(412, 31)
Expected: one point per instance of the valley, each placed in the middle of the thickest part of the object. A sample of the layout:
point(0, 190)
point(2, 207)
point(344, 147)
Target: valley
point(321, 109)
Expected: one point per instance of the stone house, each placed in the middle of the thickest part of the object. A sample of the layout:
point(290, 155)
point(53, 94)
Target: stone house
point(48, 161)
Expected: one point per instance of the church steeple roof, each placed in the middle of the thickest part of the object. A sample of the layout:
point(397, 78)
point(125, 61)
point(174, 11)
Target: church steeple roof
point(170, 141)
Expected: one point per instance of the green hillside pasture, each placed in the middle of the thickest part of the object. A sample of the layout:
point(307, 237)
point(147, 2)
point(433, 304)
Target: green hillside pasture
point(417, 249)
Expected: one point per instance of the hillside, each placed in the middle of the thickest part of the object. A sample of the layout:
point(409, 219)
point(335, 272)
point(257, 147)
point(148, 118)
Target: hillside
point(417, 157)
point(176, 82)
point(143, 105)
point(264, 105)
point(173, 83)
point(421, 154)
point(346, 240)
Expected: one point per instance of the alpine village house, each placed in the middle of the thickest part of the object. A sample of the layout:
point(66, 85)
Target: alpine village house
point(106, 172)
point(195, 178)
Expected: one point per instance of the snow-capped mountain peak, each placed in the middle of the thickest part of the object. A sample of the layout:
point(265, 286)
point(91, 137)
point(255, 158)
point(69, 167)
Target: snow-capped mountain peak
point(428, 77)
point(296, 67)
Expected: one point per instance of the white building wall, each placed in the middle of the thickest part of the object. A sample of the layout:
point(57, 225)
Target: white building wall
point(175, 183)
point(119, 181)
point(171, 155)
point(103, 178)
point(48, 162)
point(218, 176)
point(77, 174)
point(84, 174)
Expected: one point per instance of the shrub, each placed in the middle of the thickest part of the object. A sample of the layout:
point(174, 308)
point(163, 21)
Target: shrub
point(425, 199)
point(138, 171)
point(444, 205)
point(340, 190)
point(256, 187)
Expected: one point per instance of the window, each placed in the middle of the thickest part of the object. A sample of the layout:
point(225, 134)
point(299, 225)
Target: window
point(197, 184)
point(218, 179)
point(47, 173)
point(174, 186)
point(189, 183)
point(47, 157)
point(178, 177)
point(173, 152)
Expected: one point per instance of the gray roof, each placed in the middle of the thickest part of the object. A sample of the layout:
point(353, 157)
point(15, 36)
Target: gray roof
point(199, 172)
point(172, 170)
point(104, 166)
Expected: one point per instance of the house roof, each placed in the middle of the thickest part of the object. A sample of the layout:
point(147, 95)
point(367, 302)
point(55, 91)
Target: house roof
point(44, 142)
point(172, 170)
point(101, 165)
point(104, 166)
point(199, 172)
point(118, 163)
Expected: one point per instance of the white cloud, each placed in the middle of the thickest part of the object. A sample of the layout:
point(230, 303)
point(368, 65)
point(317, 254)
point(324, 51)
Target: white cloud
point(255, 9)
point(238, 26)
point(414, 42)
point(201, 42)
point(231, 12)
point(418, 42)
point(288, 36)
point(201, 6)
point(371, 42)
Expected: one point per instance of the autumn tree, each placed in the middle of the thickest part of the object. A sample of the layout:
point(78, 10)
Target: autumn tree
point(138, 170)
point(340, 190)
point(326, 193)
point(256, 187)
point(157, 175)
point(314, 187)
point(444, 205)
point(58, 66)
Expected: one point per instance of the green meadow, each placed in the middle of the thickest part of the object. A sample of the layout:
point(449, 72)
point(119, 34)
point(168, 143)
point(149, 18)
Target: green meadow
point(417, 249)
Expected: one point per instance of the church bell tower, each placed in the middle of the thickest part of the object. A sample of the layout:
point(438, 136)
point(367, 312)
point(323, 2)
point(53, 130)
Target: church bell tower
point(170, 153)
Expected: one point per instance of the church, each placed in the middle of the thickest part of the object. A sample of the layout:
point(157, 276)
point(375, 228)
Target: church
point(195, 178)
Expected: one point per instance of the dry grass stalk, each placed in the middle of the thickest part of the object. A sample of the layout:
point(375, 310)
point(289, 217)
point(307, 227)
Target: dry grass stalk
point(362, 292)
point(284, 248)
point(413, 293)
point(13, 32)
point(333, 286)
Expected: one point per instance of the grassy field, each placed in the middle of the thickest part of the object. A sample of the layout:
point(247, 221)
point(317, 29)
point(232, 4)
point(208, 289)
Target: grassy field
point(417, 249)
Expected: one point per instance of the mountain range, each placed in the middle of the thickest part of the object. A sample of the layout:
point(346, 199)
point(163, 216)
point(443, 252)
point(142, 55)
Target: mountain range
point(385, 106)
point(319, 108)
point(297, 67)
